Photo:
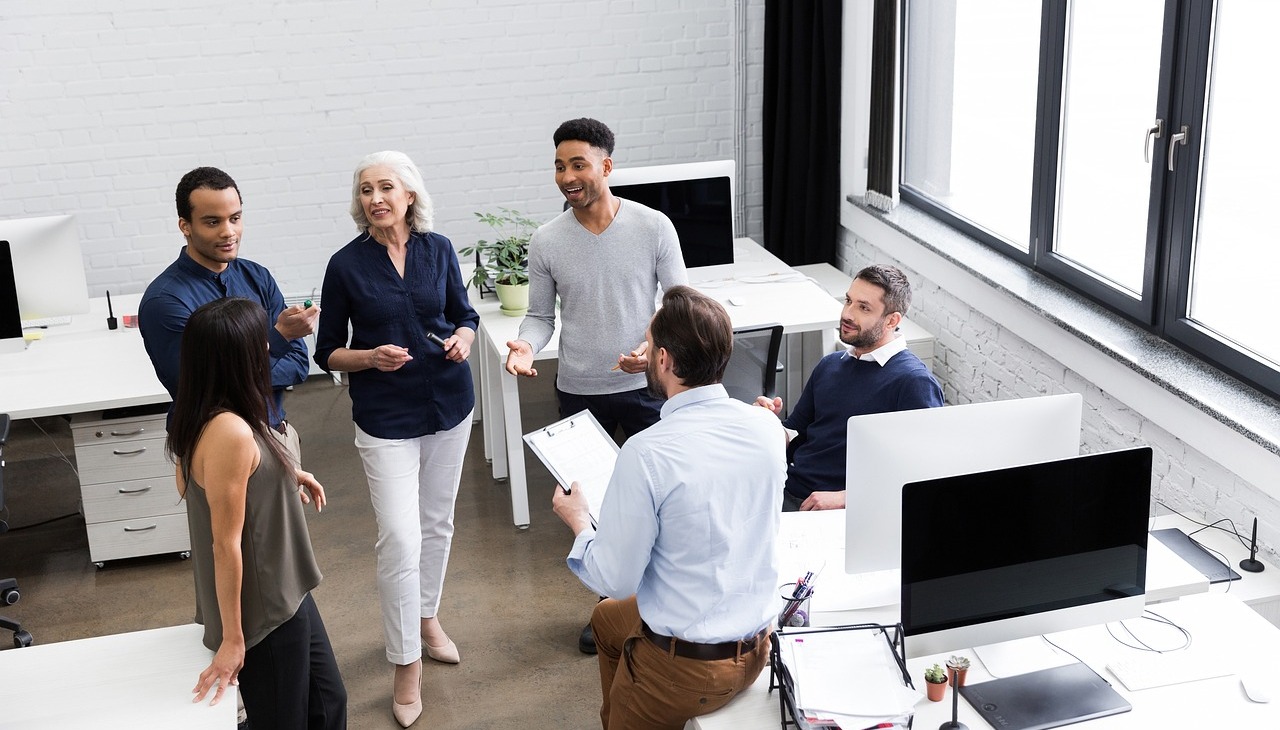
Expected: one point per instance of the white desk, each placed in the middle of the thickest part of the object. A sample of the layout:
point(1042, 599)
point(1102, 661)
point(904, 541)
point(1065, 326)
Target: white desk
point(1215, 620)
point(82, 366)
point(757, 281)
point(134, 680)
point(1261, 591)
point(811, 539)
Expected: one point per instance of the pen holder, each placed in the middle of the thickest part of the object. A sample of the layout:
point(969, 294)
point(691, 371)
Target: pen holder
point(795, 605)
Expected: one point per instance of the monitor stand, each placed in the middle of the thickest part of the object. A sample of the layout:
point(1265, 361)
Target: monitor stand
point(1045, 699)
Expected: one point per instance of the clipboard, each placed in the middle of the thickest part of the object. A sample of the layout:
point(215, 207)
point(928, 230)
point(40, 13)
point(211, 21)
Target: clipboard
point(577, 449)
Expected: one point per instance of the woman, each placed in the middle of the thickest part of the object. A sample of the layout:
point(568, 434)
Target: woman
point(253, 564)
point(393, 287)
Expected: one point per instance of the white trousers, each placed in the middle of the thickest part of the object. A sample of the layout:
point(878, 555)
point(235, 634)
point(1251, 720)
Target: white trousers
point(413, 484)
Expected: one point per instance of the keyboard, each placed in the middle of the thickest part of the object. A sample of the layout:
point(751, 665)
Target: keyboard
point(45, 322)
point(1161, 670)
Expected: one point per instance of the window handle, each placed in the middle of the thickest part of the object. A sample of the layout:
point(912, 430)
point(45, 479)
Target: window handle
point(1156, 132)
point(1178, 139)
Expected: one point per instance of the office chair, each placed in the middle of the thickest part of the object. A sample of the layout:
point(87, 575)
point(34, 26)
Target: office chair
point(753, 367)
point(9, 593)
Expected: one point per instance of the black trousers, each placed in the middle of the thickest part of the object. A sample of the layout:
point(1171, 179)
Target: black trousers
point(634, 410)
point(290, 679)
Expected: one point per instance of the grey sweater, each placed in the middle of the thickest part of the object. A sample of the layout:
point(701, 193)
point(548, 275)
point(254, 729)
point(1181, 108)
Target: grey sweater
point(607, 286)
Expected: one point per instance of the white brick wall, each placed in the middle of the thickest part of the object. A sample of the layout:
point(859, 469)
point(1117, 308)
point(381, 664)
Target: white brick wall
point(104, 105)
point(978, 359)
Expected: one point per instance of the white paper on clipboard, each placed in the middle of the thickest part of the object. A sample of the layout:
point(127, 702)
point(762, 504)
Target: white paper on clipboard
point(577, 449)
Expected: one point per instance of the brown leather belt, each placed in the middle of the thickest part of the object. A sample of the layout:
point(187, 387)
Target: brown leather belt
point(704, 652)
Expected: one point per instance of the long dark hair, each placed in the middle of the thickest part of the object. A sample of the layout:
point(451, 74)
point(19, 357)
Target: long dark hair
point(223, 366)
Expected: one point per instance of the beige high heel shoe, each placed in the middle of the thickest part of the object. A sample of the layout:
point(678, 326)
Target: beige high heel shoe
point(407, 714)
point(447, 654)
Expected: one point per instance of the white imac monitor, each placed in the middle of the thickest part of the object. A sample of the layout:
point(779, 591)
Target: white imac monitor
point(48, 270)
point(698, 197)
point(887, 450)
point(1014, 553)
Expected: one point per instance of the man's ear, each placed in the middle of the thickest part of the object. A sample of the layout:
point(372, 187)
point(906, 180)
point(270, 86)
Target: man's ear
point(893, 320)
point(184, 227)
point(607, 165)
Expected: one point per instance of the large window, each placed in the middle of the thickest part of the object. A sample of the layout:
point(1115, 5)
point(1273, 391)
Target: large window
point(1115, 146)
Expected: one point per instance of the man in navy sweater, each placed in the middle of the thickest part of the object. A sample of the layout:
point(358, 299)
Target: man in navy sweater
point(878, 374)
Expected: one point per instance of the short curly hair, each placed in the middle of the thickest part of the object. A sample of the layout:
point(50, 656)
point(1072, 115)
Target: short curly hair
point(588, 130)
point(201, 177)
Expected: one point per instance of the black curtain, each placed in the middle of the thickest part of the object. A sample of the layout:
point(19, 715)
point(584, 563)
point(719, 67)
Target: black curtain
point(802, 129)
point(881, 180)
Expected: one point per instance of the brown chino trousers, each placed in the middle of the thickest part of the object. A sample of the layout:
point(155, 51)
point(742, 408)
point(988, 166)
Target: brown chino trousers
point(647, 688)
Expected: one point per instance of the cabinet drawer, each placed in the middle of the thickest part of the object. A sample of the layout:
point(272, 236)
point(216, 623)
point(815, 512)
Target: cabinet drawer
point(113, 462)
point(141, 536)
point(115, 431)
point(130, 499)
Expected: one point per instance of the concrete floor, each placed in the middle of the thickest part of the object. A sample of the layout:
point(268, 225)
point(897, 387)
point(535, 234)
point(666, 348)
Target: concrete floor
point(510, 603)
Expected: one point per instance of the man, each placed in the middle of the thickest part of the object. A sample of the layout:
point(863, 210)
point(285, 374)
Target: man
point(877, 375)
point(604, 257)
point(207, 268)
point(685, 544)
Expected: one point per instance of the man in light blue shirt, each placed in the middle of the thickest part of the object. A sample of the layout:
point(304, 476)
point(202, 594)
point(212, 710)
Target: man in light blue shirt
point(685, 543)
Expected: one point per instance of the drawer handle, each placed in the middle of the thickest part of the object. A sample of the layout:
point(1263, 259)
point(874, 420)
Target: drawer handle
point(139, 490)
point(135, 452)
point(134, 432)
point(140, 529)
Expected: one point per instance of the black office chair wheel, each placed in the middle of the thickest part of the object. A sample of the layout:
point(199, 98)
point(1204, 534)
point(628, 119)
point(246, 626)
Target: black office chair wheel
point(185, 555)
point(21, 638)
point(10, 596)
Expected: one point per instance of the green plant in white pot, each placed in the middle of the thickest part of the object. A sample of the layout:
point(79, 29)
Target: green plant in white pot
point(505, 260)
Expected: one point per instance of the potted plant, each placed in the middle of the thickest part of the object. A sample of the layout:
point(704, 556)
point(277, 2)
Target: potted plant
point(505, 260)
point(958, 666)
point(935, 682)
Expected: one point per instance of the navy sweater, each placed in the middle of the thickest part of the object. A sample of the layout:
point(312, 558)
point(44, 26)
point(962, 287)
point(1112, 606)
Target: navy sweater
point(842, 386)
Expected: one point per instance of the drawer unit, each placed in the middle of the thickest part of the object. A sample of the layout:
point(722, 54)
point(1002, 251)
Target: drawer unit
point(127, 489)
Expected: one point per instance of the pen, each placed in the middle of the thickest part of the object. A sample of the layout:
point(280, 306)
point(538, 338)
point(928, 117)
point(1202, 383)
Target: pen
point(111, 315)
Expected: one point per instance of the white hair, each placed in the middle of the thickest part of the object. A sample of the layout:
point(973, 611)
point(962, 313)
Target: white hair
point(420, 215)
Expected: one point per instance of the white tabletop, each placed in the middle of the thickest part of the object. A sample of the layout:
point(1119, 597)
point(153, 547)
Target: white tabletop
point(1214, 620)
point(134, 680)
point(82, 366)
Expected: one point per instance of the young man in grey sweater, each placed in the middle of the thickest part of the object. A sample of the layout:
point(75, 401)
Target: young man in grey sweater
point(605, 258)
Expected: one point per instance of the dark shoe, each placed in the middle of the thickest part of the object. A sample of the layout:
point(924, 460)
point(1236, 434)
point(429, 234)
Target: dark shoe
point(587, 640)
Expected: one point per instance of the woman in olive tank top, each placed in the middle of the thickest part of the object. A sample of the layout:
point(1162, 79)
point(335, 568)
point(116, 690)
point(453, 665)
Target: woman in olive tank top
point(251, 553)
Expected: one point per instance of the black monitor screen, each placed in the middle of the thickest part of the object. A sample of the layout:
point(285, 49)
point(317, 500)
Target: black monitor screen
point(10, 318)
point(1029, 539)
point(701, 210)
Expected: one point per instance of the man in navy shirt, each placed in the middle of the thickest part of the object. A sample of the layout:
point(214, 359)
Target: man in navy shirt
point(207, 268)
point(878, 374)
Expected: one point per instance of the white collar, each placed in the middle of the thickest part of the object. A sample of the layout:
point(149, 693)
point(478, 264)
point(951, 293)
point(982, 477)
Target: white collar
point(883, 353)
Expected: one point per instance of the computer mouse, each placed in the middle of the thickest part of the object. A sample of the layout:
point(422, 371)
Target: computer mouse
point(1255, 688)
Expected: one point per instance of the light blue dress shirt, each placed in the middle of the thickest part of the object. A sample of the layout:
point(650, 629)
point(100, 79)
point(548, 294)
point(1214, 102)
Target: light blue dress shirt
point(690, 519)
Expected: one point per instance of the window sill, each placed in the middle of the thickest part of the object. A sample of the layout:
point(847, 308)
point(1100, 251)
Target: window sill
point(973, 272)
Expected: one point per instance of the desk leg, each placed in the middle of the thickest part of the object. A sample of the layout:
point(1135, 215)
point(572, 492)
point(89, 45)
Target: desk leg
point(488, 420)
point(499, 406)
point(514, 450)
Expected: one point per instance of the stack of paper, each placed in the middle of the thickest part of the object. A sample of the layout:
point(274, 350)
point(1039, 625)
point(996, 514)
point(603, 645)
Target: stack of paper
point(846, 679)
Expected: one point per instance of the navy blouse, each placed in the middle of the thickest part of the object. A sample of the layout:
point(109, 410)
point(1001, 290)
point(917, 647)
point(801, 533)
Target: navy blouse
point(364, 295)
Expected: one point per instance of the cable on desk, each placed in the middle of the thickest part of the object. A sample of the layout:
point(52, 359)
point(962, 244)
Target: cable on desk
point(1204, 526)
point(1144, 646)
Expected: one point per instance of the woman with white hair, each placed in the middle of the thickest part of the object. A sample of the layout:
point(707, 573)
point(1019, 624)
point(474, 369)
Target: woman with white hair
point(398, 291)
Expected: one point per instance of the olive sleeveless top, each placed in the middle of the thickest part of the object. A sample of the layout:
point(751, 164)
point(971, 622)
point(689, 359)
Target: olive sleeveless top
point(279, 567)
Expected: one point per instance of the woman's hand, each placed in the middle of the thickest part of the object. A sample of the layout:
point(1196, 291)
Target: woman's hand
point(223, 671)
point(310, 490)
point(389, 357)
point(458, 347)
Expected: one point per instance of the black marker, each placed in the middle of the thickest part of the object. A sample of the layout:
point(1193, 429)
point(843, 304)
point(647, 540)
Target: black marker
point(436, 339)
point(111, 315)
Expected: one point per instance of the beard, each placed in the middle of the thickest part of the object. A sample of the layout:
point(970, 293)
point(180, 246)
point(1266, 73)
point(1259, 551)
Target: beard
point(651, 377)
point(867, 338)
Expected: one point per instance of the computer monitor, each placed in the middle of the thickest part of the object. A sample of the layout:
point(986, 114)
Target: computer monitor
point(48, 270)
point(1022, 551)
point(697, 197)
point(10, 322)
point(887, 450)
